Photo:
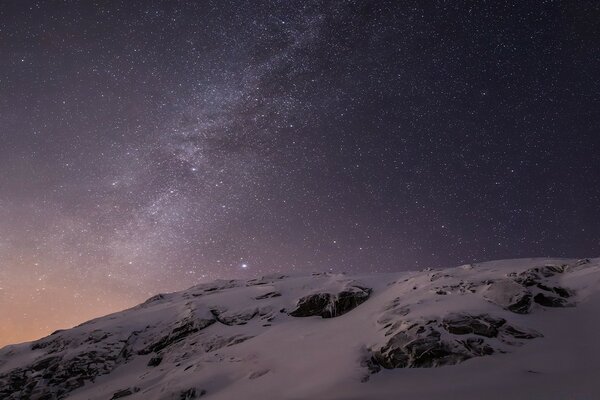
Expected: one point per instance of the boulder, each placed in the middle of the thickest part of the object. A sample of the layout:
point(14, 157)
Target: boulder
point(551, 301)
point(509, 295)
point(329, 305)
point(481, 325)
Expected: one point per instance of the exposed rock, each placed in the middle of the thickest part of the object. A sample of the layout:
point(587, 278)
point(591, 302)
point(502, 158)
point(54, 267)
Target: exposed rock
point(217, 342)
point(481, 325)
point(311, 305)
point(268, 295)
point(509, 295)
point(191, 394)
point(459, 288)
point(422, 345)
point(239, 318)
point(477, 347)
point(185, 328)
point(258, 374)
point(562, 292)
point(518, 333)
point(551, 301)
point(155, 361)
point(393, 310)
point(327, 305)
point(124, 393)
point(522, 305)
point(418, 347)
point(534, 276)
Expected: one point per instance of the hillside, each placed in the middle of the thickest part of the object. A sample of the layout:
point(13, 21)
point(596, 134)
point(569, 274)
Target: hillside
point(518, 329)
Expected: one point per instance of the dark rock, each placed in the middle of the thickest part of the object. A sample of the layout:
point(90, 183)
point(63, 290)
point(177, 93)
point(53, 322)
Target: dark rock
point(551, 301)
point(124, 393)
point(45, 363)
point(311, 305)
point(522, 304)
point(327, 305)
point(562, 292)
point(418, 347)
point(238, 317)
point(477, 346)
point(217, 342)
point(186, 327)
point(191, 394)
point(509, 295)
point(534, 276)
point(518, 333)
point(258, 374)
point(348, 300)
point(268, 295)
point(155, 361)
point(482, 325)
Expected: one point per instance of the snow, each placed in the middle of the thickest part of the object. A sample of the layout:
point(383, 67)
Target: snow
point(234, 345)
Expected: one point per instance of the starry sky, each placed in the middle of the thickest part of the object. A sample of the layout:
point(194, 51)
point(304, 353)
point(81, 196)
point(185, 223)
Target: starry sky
point(146, 146)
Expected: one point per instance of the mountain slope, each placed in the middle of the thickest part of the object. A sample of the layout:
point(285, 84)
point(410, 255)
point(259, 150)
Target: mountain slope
point(517, 329)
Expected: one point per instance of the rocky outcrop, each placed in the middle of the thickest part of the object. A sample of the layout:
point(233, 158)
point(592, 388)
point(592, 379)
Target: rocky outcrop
point(419, 346)
point(534, 285)
point(509, 295)
point(481, 325)
point(536, 275)
point(329, 305)
point(184, 329)
point(446, 341)
point(551, 301)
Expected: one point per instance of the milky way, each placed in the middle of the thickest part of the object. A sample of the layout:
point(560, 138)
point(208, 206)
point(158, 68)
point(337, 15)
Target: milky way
point(146, 146)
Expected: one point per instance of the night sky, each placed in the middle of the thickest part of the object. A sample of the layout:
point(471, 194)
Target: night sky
point(146, 146)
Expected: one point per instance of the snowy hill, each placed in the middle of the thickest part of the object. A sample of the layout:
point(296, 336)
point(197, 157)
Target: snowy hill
point(518, 329)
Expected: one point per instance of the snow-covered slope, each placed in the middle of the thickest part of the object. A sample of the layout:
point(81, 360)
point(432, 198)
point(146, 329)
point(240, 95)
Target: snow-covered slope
point(518, 329)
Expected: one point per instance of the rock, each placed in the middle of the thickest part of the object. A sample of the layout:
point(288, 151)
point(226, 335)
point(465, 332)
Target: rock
point(268, 295)
point(258, 374)
point(328, 305)
point(481, 325)
point(522, 305)
point(217, 342)
point(155, 361)
point(509, 295)
point(518, 333)
point(534, 276)
point(418, 347)
point(562, 292)
point(349, 299)
point(551, 301)
point(124, 393)
point(421, 344)
point(191, 394)
point(240, 317)
point(477, 346)
point(185, 328)
point(311, 305)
